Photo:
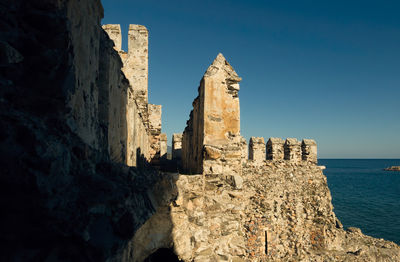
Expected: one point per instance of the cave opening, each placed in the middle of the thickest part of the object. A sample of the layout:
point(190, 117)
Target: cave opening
point(163, 254)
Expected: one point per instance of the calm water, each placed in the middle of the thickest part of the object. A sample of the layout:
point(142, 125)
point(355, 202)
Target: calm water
point(365, 196)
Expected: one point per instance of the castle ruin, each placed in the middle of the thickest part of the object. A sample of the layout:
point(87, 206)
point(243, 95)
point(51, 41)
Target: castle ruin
point(78, 131)
point(212, 143)
point(143, 120)
point(211, 140)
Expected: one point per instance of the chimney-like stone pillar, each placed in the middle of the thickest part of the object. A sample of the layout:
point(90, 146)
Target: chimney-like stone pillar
point(114, 32)
point(163, 146)
point(309, 150)
point(257, 149)
point(292, 150)
point(211, 139)
point(275, 149)
point(176, 146)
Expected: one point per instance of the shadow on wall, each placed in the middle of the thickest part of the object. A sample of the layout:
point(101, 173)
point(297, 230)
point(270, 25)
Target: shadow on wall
point(65, 193)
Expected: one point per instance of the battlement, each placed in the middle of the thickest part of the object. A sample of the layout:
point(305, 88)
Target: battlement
point(275, 148)
point(257, 149)
point(137, 37)
point(135, 60)
point(278, 149)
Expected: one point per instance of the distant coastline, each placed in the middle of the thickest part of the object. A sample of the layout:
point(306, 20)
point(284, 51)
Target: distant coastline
point(392, 168)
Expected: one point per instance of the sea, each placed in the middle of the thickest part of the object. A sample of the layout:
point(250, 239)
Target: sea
point(366, 196)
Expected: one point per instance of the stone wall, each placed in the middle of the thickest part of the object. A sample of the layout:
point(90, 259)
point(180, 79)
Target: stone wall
point(163, 146)
point(244, 149)
point(114, 32)
point(257, 149)
point(275, 149)
point(211, 140)
point(309, 150)
point(155, 131)
point(143, 119)
point(278, 149)
point(278, 212)
point(136, 63)
point(113, 91)
point(64, 108)
point(83, 100)
point(292, 150)
point(177, 147)
point(192, 151)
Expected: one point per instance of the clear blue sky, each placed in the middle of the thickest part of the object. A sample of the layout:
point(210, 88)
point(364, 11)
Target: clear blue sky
point(327, 70)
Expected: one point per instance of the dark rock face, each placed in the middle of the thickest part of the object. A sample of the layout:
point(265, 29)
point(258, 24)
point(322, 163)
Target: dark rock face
point(61, 197)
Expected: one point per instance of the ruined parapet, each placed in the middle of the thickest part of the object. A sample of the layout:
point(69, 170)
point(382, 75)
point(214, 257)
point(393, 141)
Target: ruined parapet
point(309, 150)
point(211, 140)
point(176, 147)
point(275, 149)
point(257, 149)
point(114, 32)
point(163, 146)
point(292, 149)
point(142, 137)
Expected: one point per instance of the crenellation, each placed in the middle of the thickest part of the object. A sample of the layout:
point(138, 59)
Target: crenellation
point(257, 149)
point(143, 120)
point(292, 150)
point(275, 149)
point(309, 150)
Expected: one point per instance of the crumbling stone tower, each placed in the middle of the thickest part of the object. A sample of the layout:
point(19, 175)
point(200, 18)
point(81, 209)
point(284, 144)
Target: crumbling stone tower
point(211, 141)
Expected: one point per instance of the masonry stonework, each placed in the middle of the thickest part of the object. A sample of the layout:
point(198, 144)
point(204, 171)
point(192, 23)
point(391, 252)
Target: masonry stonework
point(257, 149)
point(143, 120)
point(292, 150)
point(211, 140)
point(177, 147)
point(275, 149)
point(114, 32)
point(163, 146)
point(154, 112)
point(136, 63)
point(62, 163)
point(309, 150)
